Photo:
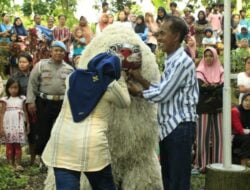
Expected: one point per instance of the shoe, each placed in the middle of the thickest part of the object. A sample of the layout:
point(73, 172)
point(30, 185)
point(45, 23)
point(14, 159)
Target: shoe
point(42, 168)
point(195, 171)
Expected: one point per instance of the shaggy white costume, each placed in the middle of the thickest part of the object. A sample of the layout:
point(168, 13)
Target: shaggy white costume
point(133, 133)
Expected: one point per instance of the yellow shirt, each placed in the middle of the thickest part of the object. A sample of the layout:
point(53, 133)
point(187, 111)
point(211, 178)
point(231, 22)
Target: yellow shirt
point(83, 146)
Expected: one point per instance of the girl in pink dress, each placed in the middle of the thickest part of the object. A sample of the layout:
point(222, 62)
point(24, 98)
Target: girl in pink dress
point(13, 116)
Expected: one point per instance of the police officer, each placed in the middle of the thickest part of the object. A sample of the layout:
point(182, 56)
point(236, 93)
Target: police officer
point(46, 90)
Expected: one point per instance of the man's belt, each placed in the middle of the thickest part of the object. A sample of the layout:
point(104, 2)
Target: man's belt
point(51, 97)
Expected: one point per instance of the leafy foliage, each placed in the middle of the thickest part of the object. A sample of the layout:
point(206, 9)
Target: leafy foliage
point(238, 60)
point(49, 7)
point(4, 5)
point(159, 3)
point(27, 9)
point(11, 179)
point(118, 5)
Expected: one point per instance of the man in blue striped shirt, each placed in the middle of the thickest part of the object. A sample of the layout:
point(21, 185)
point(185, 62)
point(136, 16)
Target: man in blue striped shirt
point(177, 96)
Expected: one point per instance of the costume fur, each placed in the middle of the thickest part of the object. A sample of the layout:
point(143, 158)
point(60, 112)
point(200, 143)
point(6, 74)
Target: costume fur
point(133, 132)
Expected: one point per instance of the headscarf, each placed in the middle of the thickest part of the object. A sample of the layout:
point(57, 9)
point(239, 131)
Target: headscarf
point(140, 28)
point(244, 114)
point(192, 49)
point(19, 30)
point(102, 24)
point(202, 21)
point(211, 74)
point(165, 16)
point(86, 87)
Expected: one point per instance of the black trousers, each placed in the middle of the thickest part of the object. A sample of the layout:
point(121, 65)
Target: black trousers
point(47, 112)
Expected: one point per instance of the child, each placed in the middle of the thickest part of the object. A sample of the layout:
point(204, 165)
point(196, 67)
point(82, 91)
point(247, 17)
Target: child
point(111, 19)
point(215, 20)
point(209, 39)
point(12, 123)
point(191, 48)
point(243, 49)
point(24, 66)
point(79, 42)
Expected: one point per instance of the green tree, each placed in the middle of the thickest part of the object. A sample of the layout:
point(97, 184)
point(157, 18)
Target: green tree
point(8, 6)
point(159, 3)
point(48, 7)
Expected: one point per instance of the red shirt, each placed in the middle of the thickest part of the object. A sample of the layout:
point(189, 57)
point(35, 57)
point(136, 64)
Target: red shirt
point(236, 122)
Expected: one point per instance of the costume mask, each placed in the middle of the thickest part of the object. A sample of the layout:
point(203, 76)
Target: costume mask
point(129, 54)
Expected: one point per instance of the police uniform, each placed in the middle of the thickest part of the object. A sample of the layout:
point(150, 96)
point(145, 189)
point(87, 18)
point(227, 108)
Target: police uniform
point(46, 89)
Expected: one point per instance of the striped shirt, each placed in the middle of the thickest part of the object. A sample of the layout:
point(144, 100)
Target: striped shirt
point(176, 94)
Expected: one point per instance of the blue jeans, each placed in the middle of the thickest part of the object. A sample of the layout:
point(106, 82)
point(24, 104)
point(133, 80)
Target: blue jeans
point(70, 180)
point(175, 157)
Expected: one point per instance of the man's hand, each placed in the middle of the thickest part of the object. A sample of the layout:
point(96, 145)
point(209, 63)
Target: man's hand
point(32, 109)
point(133, 89)
point(136, 75)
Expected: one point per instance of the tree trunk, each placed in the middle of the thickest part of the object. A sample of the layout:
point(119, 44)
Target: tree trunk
point(227, 180)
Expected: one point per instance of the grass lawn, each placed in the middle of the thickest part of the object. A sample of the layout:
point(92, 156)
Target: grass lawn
point(32, 179)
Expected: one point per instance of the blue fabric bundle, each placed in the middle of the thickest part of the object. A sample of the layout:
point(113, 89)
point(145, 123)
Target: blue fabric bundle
point(46, 32)
point(86, 87)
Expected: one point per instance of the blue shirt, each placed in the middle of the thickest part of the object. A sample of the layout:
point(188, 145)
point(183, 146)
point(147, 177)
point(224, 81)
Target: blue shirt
point(176, 94)
point(4, 28)
point(245, 22)
point(241, 36)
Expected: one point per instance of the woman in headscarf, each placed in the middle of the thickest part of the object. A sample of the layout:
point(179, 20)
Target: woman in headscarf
point(241, 130)
point(141, 28)
point(18, 27)
point(103, 23)
point(209, 127)
point(161, 15)
point(87, 32)
point(199, 26)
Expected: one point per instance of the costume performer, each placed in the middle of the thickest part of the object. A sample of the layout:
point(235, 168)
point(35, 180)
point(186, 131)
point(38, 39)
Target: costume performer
point(132, 133)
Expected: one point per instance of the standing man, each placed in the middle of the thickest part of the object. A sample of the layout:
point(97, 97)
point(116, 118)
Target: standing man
point(177, 96)
point(46, 90)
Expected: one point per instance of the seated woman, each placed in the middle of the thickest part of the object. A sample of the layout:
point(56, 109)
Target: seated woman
point(243, 79)
point(141, 28)
point(241, 130)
